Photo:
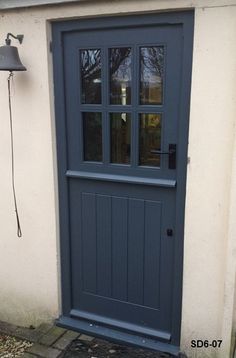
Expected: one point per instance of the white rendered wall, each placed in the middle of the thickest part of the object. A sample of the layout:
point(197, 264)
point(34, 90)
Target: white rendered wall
point(212, 131)
point(29, 268)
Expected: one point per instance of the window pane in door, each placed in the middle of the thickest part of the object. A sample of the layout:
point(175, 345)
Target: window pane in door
point(120, 137)
point(90, 69)
point(149, 139)
point(92, 136)
point(151, 75)
point(120, 75)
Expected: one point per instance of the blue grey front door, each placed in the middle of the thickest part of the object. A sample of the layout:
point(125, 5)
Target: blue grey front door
point(122, 108)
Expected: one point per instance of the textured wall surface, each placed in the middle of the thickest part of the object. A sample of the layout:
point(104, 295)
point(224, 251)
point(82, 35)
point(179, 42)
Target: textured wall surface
point(212, 130)
point(29, 267)
point(14, 4)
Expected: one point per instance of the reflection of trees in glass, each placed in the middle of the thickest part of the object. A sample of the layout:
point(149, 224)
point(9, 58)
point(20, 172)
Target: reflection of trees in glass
point(90, 63)
point(92, 133)
point(120, 62)
point(152, 62)
point(120, 75)
point(152, 71)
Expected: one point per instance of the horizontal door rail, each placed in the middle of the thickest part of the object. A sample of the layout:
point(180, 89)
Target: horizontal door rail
point(166, 183)
point(122, 325)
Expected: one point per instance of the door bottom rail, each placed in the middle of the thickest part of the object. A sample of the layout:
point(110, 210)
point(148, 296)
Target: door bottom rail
point(124, 326)
point(113, 334)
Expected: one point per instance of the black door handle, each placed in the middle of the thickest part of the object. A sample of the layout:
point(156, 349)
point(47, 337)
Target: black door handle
point(171, 153)
point(159, 152)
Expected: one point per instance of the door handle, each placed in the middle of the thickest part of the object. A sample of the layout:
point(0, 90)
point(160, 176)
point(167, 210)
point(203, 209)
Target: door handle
point(159, 152)
point(171, 153)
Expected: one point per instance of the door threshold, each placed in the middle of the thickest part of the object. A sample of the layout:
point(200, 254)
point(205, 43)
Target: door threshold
point(119, 325)
point(112, 334)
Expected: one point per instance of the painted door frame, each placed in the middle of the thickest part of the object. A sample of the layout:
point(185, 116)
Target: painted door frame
point(186, 20)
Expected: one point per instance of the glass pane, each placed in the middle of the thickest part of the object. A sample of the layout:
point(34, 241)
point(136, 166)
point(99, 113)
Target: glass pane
point(120, 137)
point(120, 75)
point(90, 62)
point(92, 134)
point(151, 78)
point(149, 139)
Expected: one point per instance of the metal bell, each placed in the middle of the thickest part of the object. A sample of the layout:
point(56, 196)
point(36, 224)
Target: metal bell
point(10, 59)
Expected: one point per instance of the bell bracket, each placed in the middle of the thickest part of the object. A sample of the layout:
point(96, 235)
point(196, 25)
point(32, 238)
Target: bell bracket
point(17, 37)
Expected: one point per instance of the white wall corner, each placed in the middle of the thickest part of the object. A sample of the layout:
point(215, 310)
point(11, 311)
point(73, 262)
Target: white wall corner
point(228, 321)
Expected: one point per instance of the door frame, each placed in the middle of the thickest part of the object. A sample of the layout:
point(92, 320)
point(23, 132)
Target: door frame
point(59, 28)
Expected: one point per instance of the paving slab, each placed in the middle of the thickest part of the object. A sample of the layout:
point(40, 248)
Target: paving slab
point(31, 335)
point(45, 352)
point(45, 327)
point(7, 328)
point(65, 340)
point(51, 336)
point(84, 337)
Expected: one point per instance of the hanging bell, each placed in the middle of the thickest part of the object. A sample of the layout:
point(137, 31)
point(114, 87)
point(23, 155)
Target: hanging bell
point(9, 58)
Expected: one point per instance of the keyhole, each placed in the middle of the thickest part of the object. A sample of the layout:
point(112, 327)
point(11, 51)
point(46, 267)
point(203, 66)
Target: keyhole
point(169, 232)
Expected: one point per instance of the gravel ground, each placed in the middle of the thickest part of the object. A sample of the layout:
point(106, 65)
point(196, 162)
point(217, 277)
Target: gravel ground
point(11, 347)
point(103, 349)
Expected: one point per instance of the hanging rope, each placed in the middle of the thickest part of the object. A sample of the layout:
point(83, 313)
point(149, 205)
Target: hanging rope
point(19, 232)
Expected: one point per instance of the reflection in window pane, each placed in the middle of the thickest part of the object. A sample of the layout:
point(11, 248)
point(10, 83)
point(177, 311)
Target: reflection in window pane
point(151, 77)
point(92, 135)
point(90, 67)
point(120, 75)
point(120, 137)
point(149, 139)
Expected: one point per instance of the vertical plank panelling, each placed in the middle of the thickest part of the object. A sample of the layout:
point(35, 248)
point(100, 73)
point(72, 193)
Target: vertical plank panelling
point(119, 247)
point(152, 253)
point(135, 250)
point(89, 241)
point(103, 207)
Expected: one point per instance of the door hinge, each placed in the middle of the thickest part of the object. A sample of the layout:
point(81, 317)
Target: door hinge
point(50, 46)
